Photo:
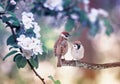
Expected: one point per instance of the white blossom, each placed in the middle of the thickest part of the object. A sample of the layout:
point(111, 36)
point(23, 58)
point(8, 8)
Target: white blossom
point(38, 35)
point(25, 43)
point(36, 29)
point(86, 5)
point(74, 16)
point(102, 26)
point(37, 49)
point(13, 2)
point(86, 1)
point(29, 15)
point(21, 37)
point(59, 8)
point(27, 19)
point(35, 42)
point(27, 53)
point(103, 12)
point(54, 4)
point(30, 45)
point(37, 46)
point(28, 22)
point(93, 15)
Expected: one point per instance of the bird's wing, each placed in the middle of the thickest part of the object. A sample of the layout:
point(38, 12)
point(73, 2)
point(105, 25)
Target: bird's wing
point(55, 47)
point(64, 47)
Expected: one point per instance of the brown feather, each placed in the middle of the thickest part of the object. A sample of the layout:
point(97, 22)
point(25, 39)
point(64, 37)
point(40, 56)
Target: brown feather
point(60, 48)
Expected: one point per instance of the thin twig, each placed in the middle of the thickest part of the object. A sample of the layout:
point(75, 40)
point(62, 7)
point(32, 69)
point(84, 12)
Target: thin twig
point(86, 65)
point(42, 79)
point(13, 33)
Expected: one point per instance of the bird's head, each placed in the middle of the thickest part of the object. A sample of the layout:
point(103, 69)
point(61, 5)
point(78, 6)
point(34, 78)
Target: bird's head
point(65, 35)
point(77, 44)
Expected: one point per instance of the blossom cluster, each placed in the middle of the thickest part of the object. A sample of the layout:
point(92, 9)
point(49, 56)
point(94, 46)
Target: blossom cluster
point(54, 4)
point(93, 15)
point(30, 45)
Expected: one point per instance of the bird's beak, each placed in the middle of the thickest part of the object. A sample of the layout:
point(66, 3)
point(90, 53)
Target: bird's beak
point(69, 38)
point(70, 35)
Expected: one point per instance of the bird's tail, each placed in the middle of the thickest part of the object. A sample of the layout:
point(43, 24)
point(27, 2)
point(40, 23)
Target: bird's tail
point(59, 61)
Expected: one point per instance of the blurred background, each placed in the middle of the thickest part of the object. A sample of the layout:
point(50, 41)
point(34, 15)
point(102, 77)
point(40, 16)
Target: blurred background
point(94, 22)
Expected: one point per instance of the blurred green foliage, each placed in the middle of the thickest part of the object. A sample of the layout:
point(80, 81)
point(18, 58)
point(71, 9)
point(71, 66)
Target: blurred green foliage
point(69, 25)
point(109, 29)
point(72, 7)
point(55, 81)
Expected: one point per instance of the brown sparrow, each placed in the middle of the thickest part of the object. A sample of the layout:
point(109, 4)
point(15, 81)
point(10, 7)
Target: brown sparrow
point(61, 46)
point(77, 50)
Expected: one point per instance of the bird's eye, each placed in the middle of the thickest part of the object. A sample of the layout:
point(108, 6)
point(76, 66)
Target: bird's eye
point(75, 46)
point(66, 35)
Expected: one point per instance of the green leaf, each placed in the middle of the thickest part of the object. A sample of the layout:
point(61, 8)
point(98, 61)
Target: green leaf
point(11, 18)
point(69, 25)
point(55, 81)
point(94, 28)
point(14, 21)
point(13, 46)
point(4, 18)
point(7, 16)
point(1, 8)
point(10, 53)
point(109, 29)
point(51, 78)
point(66, 3)
point(11, 40)
point(83, 16)
point(20, 60)
point(42, 1)
point(34, 61)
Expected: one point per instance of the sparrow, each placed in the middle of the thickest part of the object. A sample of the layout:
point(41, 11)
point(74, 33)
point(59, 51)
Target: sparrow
point(77, 50)
point(61, 46)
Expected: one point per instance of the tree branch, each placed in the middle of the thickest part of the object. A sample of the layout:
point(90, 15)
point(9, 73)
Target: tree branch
point(42, 79)
point(86, 65)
